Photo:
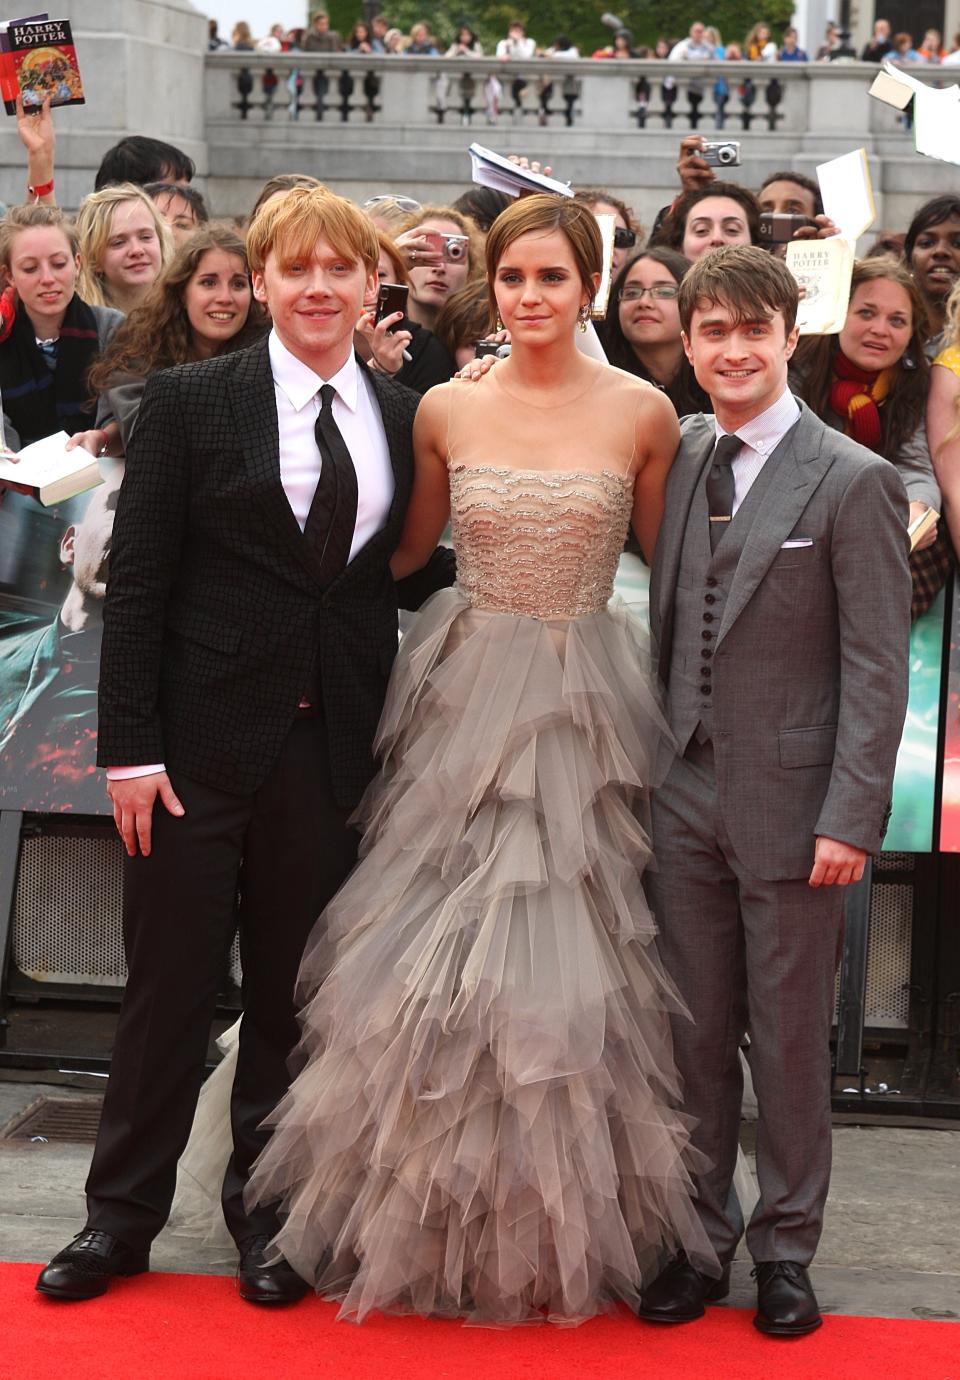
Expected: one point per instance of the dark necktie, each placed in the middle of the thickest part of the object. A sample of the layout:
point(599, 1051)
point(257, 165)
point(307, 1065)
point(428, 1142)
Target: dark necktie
point(720, 486)
point(333, 512)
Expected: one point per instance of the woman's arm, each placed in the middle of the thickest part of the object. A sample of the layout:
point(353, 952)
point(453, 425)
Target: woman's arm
point(429, 506)
point(942, 417)
point(658, 436)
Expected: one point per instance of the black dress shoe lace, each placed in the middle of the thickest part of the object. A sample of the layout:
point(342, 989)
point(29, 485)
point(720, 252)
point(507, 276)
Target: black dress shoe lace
point(786, 1269)
point(88, 1252)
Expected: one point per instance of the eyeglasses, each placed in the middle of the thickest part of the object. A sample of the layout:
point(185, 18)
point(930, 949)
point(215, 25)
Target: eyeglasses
point(623, 239)
point(633, 292)
point(402, 203)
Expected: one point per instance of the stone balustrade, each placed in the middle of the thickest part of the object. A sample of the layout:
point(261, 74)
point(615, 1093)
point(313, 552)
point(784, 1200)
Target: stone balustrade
point(370, 124)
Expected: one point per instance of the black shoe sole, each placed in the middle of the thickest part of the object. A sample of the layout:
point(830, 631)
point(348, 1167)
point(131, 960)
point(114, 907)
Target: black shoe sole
point(271, 1300)
point(785, 1329)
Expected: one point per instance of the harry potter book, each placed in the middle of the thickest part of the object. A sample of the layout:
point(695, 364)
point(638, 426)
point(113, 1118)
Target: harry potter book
point(38, 59)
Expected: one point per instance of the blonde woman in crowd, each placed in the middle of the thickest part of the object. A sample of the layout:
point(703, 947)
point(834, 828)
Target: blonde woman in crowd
point(125, 243)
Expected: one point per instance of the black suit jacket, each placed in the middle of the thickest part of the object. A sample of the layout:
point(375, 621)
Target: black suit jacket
point(215, 623)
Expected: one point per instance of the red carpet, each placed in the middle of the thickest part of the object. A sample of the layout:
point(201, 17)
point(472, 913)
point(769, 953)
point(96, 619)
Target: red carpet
point(194, 1327)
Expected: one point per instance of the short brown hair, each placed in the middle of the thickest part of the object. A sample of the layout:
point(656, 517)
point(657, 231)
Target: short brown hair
point(290, 226)
point(752, 283)
point(573, 219)
point(31, 217)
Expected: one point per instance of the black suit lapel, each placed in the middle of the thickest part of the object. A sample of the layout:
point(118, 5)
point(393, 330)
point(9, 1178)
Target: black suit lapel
point(255, 409)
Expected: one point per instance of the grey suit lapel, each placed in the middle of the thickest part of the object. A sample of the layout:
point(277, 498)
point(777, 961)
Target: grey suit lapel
point(696, 448)
point(802, 467)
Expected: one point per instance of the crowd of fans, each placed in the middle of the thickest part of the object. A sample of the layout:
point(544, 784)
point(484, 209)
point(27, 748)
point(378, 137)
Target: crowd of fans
point(702, 43)
point(141, 280)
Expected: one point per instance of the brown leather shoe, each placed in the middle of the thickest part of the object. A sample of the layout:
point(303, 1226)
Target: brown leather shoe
point(84, 1269)
point(679, 1293)
point(263, 1283)
point(786, 1303)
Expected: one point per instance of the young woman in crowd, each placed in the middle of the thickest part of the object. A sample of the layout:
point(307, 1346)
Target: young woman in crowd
point(641, 332)
point(871, 381)
point(203, 306)
point(45, 361)
point(943, 418)
point(442, 251)
point(759, 46)
point(708, 218)
point(932, 251)
point(124, 246)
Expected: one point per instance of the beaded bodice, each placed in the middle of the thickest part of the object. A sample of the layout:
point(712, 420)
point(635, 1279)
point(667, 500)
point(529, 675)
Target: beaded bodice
point(542, 544)
point(540, 497)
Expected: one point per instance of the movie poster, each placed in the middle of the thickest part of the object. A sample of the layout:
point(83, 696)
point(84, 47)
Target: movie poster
point(53, 572)
point(950, 802)
point(911, 828)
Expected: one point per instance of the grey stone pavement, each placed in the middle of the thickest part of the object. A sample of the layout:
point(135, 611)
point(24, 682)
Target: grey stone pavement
point(891, 1246)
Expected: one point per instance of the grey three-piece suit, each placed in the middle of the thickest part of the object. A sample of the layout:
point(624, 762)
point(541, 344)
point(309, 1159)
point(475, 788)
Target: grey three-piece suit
point(786, 670)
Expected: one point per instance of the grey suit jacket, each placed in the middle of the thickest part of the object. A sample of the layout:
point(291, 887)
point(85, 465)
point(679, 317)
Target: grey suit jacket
point(811, 660)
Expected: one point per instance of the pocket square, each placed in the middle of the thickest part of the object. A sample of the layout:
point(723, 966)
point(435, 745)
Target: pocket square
point(794, 542)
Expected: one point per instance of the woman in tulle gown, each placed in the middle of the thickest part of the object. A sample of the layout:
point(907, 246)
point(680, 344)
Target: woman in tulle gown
point(485, 1123)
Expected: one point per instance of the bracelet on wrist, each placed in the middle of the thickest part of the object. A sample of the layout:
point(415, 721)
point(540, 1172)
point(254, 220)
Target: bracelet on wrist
point(41, 189)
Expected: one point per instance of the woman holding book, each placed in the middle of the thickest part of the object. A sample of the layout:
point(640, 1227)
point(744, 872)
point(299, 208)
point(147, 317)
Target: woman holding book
point(125, 244)
point(56, 335)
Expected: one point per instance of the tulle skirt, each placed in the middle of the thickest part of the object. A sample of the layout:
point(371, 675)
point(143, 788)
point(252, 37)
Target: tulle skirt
point(486, 1122)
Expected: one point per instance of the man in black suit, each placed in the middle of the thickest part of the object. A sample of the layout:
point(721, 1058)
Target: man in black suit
point(249, 629)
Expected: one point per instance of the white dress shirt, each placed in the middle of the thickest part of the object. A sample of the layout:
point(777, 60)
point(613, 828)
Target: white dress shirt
point(356, 413)
point(760, 437)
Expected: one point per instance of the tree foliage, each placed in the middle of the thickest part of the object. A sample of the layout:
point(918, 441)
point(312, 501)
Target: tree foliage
point(579, 20)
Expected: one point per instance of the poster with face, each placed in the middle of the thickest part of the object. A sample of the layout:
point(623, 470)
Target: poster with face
point(53, 574)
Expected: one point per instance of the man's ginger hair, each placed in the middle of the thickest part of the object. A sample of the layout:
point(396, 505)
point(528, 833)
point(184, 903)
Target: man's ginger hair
point(290, 225)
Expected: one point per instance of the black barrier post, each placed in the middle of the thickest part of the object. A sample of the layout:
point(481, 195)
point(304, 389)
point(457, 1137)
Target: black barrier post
point(853, 978)
point(11, 822)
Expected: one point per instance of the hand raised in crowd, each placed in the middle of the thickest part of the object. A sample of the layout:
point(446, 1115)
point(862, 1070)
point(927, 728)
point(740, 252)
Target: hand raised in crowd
point(386, 343)
point(38, 136)
point(693, 170)
point(419, 248)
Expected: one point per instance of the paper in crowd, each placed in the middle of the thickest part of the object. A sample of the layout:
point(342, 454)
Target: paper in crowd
point(607, 226)
point(936, 111)
point(493, 170)
point(847, 193)
point(54, 474)
point(823, 268)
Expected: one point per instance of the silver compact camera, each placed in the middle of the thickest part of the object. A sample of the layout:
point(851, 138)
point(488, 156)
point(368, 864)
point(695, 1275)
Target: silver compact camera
point(722, 153)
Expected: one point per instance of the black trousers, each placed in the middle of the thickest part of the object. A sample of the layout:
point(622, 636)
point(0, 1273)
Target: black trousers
point(285, 850)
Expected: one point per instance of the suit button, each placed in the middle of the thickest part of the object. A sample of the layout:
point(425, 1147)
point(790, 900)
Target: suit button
point(706, 653)
point(708, 617)
point(707, 635)
point(705, 670)
point(711, 581)
point(704, 689)
point(709, 598)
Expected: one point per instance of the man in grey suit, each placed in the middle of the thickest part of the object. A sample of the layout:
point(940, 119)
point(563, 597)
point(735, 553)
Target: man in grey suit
point(780, 600)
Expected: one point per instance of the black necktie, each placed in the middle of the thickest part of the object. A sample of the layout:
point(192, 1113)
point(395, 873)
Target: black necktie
point(333, 512)
point(720, 486)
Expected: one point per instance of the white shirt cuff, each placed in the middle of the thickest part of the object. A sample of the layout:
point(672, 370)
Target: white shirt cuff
point(126, 773)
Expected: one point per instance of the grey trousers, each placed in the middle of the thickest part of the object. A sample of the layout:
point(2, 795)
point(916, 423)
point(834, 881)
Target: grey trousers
point(747, 954)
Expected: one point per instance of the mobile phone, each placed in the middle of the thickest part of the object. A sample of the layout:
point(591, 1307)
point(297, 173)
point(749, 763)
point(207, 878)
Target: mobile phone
point(721, 153)
point(779, 227)
point(391, 297)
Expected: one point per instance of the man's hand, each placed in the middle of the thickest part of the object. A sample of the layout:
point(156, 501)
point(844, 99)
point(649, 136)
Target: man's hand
point(693, 170)
point(133, 801)
point(836, 863)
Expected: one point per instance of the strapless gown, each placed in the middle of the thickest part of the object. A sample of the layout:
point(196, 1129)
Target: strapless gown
point(486, 1123)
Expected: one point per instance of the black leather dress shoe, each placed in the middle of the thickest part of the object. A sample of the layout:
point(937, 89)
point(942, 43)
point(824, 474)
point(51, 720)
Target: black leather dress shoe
point(786, 1303)
point(679, 1293)
point(85, 1268)
point(263, 1283)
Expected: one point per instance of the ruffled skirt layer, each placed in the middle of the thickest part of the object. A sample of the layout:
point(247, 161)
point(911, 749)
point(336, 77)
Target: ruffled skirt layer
point(485, 1123)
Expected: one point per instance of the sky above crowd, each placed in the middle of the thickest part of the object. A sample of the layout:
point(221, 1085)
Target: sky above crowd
point(259, 14)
